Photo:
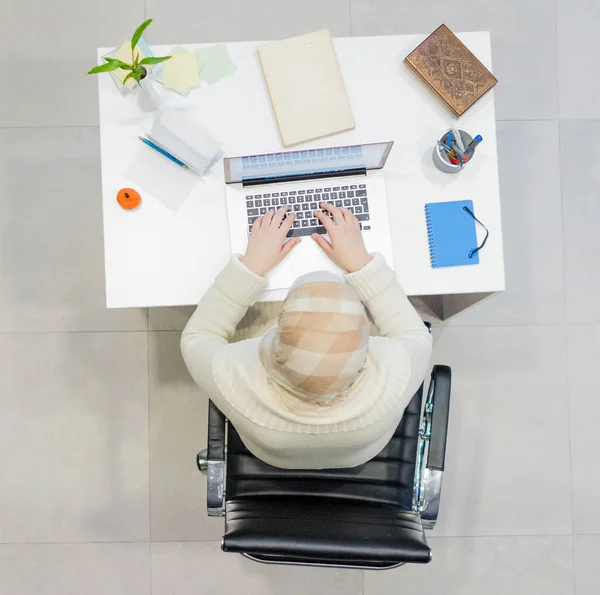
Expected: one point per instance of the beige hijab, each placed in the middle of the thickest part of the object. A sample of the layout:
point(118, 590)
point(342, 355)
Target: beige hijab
point(316, 354)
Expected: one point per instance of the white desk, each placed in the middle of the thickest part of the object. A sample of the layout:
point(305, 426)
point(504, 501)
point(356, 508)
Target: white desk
point(155, 257)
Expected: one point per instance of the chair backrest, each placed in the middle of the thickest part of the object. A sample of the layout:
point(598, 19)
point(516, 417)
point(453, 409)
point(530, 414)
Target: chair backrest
point(386, 479)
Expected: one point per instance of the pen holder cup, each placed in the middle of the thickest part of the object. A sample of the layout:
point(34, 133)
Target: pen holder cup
point(440, 157)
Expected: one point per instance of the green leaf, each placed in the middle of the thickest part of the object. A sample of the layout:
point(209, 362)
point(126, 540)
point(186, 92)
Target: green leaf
point(119, 63)
point(108, 67)
point(131, 75)
point(138, 33)
point(154, 60)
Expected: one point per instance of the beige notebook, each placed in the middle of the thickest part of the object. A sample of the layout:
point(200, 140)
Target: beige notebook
point(306, 87)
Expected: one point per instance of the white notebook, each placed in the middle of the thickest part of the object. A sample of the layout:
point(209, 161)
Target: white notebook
point(306, 87)
point(185, 139)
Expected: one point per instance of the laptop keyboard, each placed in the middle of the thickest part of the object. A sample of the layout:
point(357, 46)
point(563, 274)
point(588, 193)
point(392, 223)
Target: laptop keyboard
point(303, 202)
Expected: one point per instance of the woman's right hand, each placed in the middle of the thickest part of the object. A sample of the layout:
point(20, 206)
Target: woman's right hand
point(267, 245)
point(346, 246)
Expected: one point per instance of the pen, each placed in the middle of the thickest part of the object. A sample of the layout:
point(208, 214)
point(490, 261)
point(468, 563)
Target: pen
point(458, 151)
point(162, 151)
point(458, 140)
point(450, 154)
point(449, 139)
point(441, 145)
point(473, 145)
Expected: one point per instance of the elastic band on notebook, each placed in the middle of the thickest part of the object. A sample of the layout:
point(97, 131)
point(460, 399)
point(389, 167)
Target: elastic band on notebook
point(487, 232)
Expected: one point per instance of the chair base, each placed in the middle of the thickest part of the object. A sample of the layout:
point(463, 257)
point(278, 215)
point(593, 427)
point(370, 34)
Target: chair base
point(357, 565)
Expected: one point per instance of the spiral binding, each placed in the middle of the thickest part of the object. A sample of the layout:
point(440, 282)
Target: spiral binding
point(430, 236)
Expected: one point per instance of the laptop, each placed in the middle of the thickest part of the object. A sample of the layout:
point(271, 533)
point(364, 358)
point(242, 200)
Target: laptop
point(347, 176)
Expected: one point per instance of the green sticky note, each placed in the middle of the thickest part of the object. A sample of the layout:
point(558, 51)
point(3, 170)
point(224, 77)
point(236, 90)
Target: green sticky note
point(214, 63)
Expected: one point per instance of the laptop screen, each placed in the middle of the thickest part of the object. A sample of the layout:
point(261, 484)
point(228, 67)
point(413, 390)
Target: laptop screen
point(306, 161)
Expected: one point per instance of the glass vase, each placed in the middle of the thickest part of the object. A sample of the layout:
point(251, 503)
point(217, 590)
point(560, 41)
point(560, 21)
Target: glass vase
point(147, 97)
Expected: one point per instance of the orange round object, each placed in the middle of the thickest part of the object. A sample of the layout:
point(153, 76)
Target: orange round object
point(129, 198)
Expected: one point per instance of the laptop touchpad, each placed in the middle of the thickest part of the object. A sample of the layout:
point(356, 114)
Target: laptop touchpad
point(308, 257)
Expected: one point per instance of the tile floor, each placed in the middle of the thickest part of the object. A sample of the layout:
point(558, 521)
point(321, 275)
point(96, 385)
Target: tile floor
point(99, 420)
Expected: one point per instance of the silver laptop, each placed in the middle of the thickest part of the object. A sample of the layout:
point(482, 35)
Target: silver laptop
point(347, 176)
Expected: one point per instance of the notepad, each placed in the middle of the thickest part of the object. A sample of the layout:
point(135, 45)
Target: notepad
point(158, 176)
point(214, 63)
point(124, 54)
point(186, 140)
point(452, 234)
point(306, 87)
point(181, 72)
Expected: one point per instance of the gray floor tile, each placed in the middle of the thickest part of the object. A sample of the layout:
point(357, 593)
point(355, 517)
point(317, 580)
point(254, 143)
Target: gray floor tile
point(74, 569)
point(587, 553)
point(178, 430)
point(580, 155)
point(187, 21)
point(192, 568)
point(529, 166)
point(52, 264)
point(74, 437)
point(45, 50)
point(523, 43)
point(583, 353)
point(490, 565)
point(577, 23)
point(507, 466)
point(169, 319)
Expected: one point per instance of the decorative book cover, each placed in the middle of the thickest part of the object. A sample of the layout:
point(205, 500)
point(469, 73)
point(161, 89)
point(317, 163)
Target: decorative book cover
point(451, 70)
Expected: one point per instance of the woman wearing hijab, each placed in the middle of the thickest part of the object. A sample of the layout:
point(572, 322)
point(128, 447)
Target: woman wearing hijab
point(314, 391)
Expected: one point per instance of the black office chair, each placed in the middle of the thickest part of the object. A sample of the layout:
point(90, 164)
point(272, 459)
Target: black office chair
point(371, 517)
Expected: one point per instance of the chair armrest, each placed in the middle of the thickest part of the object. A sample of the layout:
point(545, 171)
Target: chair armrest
point(216, 433)
point(212, 461)
point(441, 380)
point(432, 447)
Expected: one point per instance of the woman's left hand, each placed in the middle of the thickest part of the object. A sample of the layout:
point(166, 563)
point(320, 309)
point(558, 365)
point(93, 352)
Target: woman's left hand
point(267, 246)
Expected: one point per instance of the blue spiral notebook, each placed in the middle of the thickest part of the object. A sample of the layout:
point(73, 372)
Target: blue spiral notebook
point(452, 234)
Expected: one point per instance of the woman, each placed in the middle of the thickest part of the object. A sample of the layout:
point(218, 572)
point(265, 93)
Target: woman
point(314, 391)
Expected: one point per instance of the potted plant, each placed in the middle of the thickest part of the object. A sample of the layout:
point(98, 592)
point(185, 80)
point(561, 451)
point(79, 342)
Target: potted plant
point(148, 98)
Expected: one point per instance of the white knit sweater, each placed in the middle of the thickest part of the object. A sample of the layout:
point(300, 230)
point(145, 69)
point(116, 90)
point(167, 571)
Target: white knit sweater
point(346, 434)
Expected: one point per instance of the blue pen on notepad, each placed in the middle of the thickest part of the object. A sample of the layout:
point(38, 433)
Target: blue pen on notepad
point(162, 151)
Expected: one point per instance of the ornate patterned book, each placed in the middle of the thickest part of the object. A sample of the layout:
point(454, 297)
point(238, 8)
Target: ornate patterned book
point(451, 70)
